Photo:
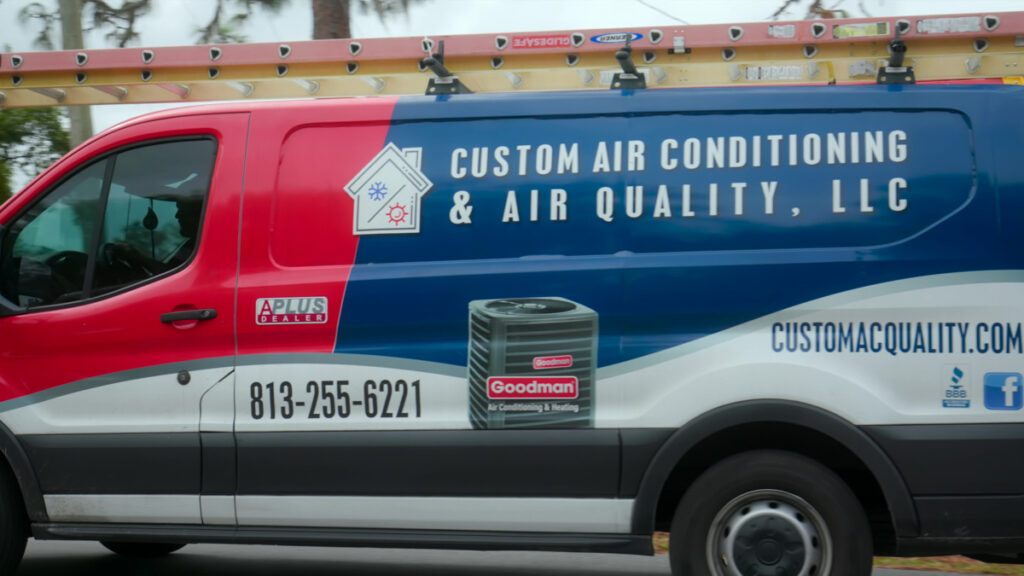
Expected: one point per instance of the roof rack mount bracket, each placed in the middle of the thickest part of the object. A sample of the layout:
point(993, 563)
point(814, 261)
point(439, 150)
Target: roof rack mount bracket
point(630, 78)
point(443, 82)
point(895, 72)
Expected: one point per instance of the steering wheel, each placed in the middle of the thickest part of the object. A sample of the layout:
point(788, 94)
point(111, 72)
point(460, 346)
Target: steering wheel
point(118, 265)
point(111, 256)
point(66, 258)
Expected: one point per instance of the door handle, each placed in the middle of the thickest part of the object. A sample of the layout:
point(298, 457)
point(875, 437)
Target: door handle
point(178, 316)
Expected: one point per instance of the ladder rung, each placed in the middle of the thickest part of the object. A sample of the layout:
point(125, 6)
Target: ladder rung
point(801, 52)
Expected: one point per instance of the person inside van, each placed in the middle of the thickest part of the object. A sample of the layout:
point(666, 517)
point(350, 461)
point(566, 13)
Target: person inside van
point(189, 213)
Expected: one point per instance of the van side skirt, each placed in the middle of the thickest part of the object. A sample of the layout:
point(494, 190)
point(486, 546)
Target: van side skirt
point(435, 539)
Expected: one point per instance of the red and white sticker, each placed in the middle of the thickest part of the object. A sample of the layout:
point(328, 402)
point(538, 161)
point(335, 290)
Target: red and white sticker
point(306, 310)
point(529, 388)
point(545, 41)
point(549, 362)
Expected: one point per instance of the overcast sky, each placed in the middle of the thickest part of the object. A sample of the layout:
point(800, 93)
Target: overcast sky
point(174, 22)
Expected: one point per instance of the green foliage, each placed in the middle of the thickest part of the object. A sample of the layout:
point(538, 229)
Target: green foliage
point(30, 140)
point(229, 16)
point(383, 8)
point(119, 21)
point(5, 182)
point(47, 17)
point(816, 9)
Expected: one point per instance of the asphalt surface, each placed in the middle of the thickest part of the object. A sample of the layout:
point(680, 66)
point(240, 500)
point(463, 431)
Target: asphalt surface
point(89, 558)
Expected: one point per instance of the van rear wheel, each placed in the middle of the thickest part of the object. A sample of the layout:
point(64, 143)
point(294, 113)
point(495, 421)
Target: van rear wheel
point(769, 512)
point(142, 549)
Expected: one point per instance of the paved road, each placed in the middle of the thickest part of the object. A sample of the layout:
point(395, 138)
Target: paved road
point(88, 558)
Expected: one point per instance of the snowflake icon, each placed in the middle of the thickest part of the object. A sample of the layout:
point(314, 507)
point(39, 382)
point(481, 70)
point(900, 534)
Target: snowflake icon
point(397, 214)
point(377, 191)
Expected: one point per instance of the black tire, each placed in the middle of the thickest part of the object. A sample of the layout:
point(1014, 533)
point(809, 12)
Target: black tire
point(142, 549)
point(13, 523)
point(770, 512)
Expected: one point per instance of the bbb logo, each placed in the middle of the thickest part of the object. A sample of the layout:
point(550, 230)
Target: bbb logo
point(1004, 391)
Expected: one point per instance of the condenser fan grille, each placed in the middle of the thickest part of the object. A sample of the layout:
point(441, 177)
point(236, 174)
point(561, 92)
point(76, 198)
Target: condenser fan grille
point(530, 306)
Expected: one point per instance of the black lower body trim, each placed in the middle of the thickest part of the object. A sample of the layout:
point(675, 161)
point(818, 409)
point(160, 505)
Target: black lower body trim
point(361, 538)
point(966, 480)
point(163, 463)
point(493, 463)
point(948, 546)
point(956, 459)
point(971, 516)
point(592, 463)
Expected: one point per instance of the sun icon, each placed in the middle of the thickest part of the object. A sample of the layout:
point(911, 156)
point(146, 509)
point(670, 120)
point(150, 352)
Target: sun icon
point(397, 213)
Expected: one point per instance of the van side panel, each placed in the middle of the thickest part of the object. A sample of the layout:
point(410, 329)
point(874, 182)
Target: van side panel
point(658, 221)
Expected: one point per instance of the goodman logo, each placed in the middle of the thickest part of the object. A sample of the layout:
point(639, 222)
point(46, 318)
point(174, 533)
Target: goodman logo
point(519, 388)
point(549, 362)
point(308, 310)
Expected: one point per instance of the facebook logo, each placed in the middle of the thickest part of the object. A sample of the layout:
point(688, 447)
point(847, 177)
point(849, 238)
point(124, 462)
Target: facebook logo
point(1004, 391)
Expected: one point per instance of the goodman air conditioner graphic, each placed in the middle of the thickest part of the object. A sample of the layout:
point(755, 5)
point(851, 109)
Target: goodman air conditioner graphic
point(531, 363)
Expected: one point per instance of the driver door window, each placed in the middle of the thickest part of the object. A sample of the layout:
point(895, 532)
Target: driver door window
point(47, 259)
point(118, 222)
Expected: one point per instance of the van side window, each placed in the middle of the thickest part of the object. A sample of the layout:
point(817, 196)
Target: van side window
point(153, 212)
point(45, 250)
point(120, 221)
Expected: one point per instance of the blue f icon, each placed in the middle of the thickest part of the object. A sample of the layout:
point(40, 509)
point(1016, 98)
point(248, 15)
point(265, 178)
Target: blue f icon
point(1004, 391)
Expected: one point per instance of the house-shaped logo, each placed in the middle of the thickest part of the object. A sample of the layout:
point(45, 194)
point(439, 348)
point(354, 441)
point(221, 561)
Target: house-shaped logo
point(388, 192)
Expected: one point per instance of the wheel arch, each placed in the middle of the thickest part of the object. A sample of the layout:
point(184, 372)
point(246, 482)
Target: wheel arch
point(798, 427)
point(28, 485)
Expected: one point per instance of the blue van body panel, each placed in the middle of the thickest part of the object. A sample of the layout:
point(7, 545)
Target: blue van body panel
point(663, 274)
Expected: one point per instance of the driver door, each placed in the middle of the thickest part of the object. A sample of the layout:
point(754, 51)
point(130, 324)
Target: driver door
point(119, 323)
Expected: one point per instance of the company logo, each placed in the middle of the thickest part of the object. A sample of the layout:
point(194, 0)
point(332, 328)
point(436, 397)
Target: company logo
point(617, 37)
point(310, 310)
point(554, 41)
point(549, 362)
point(956, 393)
point(519, 388)
point(1003, 391)
point(387, 192)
